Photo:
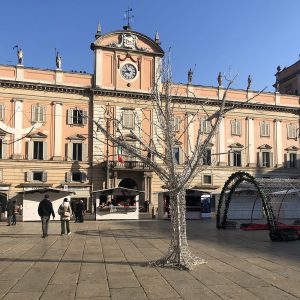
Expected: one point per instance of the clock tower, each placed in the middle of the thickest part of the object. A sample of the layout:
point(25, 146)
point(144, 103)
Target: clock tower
point(126, 60)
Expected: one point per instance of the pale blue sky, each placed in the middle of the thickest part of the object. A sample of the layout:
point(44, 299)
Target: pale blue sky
point(248, 37)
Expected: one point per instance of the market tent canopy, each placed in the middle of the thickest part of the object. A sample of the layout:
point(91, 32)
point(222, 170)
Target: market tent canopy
point(47, 190)
point(118, 191)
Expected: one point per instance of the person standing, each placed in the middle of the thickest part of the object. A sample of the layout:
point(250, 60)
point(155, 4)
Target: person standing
point(65, 213)
point(45, 209)
point(14, 213)
point(80, 211)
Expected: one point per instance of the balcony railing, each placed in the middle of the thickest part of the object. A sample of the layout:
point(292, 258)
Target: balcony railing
point(137, 165)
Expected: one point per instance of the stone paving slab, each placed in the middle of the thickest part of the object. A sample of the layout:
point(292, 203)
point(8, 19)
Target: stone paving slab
point(109, 260)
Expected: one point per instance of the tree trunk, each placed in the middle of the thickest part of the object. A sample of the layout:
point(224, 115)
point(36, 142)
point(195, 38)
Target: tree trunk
point(179, 255)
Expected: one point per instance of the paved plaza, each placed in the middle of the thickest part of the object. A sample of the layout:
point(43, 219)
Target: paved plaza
point(108, 260)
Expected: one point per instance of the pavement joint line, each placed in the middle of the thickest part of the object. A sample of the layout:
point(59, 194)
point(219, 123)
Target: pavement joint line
point(32, 265)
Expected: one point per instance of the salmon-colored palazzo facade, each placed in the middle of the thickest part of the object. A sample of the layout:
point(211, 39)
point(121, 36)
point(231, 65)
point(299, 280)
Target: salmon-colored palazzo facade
point(49, 137)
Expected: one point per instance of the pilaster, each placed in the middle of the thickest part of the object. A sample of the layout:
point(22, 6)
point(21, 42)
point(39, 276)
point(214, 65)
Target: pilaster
point(57, 153)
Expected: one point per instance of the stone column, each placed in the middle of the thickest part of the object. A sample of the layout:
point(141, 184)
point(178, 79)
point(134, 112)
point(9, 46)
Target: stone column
point(278, 154)
point(250, 142)
point(221, 144)
point(18, 123)
point(57, 143)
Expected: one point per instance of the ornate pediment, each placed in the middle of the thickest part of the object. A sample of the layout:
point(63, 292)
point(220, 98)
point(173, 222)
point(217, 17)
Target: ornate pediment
point(37, 135)
point(128, 40)
point(292, 148)
point(236, 145)
point(76, 137)
point(264, 146)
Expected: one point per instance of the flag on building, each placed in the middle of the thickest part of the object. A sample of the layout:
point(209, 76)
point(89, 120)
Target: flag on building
point(120, 157)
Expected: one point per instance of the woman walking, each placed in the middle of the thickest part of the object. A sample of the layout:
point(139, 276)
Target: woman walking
point(65, 213)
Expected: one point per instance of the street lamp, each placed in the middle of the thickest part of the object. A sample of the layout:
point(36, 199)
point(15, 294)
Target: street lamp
point(107, 118)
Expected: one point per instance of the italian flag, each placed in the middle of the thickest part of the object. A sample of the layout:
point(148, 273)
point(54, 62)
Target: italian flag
point(120, 157)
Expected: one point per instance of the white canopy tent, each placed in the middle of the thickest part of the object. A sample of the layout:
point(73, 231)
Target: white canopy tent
point(32, 198)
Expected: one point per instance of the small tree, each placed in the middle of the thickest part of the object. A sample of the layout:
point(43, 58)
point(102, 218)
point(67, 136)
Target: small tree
point(157, 151)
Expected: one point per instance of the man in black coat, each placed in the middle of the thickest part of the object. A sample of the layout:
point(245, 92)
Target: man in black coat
point(45, 210)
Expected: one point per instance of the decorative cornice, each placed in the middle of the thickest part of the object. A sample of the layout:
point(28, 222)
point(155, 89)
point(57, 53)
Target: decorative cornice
point(137, 95)
point(43, 87)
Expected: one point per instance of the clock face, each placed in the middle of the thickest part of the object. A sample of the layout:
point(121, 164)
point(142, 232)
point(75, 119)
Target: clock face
point(128, 71)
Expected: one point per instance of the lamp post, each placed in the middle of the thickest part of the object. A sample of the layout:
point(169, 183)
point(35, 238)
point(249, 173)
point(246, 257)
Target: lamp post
point(107, 118)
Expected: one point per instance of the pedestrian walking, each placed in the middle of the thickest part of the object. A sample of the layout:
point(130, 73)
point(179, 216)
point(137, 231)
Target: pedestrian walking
point(10, 210)
point(45, 209)
point(65, 213)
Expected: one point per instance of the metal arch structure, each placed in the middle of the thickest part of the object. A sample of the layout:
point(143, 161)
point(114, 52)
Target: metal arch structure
point(229, 188)
point(272, 192)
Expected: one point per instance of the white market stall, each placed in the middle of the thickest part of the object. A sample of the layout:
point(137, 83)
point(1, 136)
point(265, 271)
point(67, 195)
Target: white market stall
point(117, 203)
point(32, 198)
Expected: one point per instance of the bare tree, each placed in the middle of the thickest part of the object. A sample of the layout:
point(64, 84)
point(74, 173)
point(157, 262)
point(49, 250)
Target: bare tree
point(157, 150)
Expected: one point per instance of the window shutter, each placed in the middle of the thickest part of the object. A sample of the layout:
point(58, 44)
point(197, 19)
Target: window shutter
point(70, 116)
point(231, 158)
point(267, 129)
point(45, 151)
point(84, 152)
point(243, 158)
point(69, 151)
point(287, 160)
point(32, 113)
point(298, 161)
point(83, 176)
point(29, 176)
point(68, 177)
point(259, 159)
point(44, 176)
point(238, 127)
point(43, 114)
point(4, 150)
point(271, 159)
point(30, 150)
point(1, 175)
point(2, 114)
point(232, 127)
point(84, 117)
point(181, 156)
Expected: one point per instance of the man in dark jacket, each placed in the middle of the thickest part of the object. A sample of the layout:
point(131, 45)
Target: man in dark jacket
point(45, 210)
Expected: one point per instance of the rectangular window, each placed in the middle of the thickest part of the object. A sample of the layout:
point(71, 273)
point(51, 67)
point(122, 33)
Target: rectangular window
point(205, 126)
point(237, 158)
point(76, 176)
point(2, 112)
point(128, 119)
point(38, 113)
point(266, 159)
point(176, 154)
point(265, 129)
point(38, 150)
point(37, 176)
point(177, 122)
point(291, 131)
point(77, 117)
point(293, 160)
point(77, 151)
point(207, 157)
point(236, 127)
point(207, 179)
